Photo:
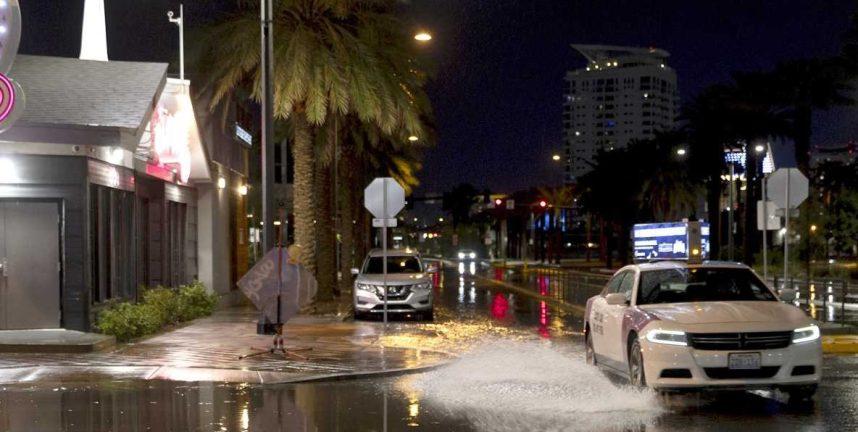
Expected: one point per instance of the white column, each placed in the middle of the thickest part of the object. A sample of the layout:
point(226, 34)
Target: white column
point(93, 41)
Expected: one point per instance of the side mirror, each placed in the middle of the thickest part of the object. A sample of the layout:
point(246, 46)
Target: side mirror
point(355, 271)
point(788, 295)
point(616, 299)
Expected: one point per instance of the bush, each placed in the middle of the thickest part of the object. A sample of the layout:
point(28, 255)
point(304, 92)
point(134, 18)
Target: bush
point(160, 307)
point(127, 321)
point(165, 302)
point(195, 301)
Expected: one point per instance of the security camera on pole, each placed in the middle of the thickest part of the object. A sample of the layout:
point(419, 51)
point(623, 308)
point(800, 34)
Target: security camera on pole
point(787, 188)
point(384, 198)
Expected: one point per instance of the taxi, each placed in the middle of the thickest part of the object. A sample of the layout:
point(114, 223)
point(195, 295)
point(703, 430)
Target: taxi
point(710, 325)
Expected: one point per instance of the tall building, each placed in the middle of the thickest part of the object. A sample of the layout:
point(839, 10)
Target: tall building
point(622, 94)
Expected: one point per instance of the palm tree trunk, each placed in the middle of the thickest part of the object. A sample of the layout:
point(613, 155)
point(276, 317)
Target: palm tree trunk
point(347, 186)
point(326, 266)
point(304, 156)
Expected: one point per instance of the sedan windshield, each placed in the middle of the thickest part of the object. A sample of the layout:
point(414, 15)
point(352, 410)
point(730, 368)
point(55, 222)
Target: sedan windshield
point(395, 264)
point(701, 285)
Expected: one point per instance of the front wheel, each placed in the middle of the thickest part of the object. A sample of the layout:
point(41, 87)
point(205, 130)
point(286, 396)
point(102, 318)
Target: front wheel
point(589, 352)
point(636, 365)
point(801, 393)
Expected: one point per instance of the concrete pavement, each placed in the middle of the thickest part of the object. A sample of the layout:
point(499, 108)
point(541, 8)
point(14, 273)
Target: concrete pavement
point(208, 350)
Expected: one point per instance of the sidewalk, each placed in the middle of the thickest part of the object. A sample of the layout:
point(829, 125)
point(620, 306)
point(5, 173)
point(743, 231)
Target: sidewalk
point(208, 350)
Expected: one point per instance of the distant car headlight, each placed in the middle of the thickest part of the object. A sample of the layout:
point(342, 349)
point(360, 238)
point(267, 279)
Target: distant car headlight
point(805, 334)
point(667, 337)
point(473, 255)
point(461, 255)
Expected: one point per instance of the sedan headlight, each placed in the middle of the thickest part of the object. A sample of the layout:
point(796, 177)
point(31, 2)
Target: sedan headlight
point(667, 337)
point(461, 255)
point(805, 334)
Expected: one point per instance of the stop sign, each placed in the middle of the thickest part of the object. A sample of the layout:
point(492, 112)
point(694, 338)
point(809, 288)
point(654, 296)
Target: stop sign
point(384, 198)
point(787, 187)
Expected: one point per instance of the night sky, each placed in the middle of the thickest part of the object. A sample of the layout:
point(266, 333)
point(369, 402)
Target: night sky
point(500, 63)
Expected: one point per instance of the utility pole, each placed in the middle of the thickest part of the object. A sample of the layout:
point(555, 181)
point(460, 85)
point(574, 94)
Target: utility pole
point(267, 66)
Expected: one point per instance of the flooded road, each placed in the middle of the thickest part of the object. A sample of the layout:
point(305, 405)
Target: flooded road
point(526, 373)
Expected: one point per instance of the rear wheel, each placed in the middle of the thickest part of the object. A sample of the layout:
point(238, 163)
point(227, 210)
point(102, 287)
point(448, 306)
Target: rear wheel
point(636, 365)
point(590, 353)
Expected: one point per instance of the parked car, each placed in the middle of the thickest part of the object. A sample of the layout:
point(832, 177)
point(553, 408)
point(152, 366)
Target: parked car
point(409, 285)
point(715, 325)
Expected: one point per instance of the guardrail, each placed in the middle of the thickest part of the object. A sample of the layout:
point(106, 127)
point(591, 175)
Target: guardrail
point(827, 300)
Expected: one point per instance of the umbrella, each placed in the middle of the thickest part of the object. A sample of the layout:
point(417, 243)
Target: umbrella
point(295, 286)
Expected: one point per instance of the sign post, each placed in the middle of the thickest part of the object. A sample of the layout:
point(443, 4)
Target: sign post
point(384, 198)
point(788, 188)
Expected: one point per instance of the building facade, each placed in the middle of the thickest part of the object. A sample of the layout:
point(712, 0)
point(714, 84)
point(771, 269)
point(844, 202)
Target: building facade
point(106, 185)
point(621, 95)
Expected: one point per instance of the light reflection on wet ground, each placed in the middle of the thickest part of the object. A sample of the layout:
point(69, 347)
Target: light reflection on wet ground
point(471, 313)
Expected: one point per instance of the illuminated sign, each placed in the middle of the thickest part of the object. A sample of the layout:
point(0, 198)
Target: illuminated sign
point(243, 135)
point(11, 95)
point(170, 130)
point(668, 241)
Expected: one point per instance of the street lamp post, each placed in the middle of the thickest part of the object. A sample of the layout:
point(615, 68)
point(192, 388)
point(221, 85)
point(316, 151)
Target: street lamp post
point(267, 66)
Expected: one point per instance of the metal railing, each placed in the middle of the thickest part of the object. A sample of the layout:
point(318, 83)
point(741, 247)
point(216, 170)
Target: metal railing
point(827, 300)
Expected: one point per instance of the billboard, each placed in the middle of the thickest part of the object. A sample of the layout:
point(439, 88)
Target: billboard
point(668, 241)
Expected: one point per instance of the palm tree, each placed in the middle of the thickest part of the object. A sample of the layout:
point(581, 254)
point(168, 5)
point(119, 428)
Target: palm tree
point(332, 57)
point(803, 86)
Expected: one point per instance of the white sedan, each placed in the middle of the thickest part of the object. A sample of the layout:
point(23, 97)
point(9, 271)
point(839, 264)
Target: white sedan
point(673, 326)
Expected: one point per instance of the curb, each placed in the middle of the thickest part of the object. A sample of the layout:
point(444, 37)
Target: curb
point(842, 344)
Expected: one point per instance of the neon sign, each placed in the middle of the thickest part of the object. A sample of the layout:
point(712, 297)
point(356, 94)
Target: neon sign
point(11, 95)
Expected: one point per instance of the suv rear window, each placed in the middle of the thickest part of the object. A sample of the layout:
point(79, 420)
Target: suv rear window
point(395, 264)
point(701, 285)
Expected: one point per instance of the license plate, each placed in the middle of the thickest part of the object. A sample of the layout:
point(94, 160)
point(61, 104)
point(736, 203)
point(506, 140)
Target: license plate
point(744, 361)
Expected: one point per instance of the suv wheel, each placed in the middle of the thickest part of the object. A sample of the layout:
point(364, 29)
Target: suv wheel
point(636, 365)
point(589, 352)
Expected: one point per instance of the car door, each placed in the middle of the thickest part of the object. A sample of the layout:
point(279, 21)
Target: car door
point(597, 315)
point(613, 320)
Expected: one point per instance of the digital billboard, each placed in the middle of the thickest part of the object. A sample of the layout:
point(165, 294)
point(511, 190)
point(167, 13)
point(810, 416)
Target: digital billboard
point(667, 241)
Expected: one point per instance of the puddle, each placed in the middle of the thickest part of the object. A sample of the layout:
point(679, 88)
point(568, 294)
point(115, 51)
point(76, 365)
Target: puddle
point(516, 385)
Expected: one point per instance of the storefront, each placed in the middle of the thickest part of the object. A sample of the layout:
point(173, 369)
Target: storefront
point(105, 186)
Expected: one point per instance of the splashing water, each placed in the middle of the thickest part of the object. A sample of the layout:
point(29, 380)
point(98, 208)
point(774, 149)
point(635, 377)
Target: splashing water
point(514, 385)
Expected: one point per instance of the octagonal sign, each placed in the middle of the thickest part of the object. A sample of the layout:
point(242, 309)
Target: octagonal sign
point(788, 187)
point(384, 198)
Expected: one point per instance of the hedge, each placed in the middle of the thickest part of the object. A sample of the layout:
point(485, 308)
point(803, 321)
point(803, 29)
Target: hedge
point(159, 307)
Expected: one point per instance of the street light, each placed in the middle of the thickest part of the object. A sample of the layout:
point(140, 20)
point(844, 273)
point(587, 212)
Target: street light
point(423, 36)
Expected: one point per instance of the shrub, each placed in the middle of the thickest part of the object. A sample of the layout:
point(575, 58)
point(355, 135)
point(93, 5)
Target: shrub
point(195, 301)
point(159, 307)
point(127, 321)
point(165, 302)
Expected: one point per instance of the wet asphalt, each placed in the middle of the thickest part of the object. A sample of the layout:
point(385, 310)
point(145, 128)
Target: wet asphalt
point(532, 329)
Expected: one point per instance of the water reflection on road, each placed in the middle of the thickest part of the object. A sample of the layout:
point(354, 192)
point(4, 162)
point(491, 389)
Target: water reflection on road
point(527, 376)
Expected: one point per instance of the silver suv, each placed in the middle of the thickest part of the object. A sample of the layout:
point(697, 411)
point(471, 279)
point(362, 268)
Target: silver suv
point(408, 280)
